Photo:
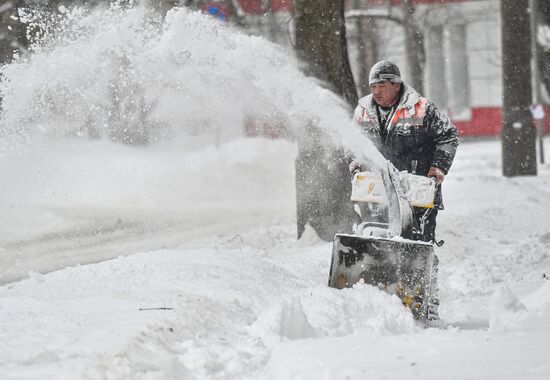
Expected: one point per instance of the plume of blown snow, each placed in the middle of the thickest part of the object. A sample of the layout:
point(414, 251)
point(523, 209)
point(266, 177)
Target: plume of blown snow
point(135, 77)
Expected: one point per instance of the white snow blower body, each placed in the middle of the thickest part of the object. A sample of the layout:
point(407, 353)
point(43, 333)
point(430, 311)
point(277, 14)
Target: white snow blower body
point(384, 251)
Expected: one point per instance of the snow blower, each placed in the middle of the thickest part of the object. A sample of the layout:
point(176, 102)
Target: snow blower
point(384, 249)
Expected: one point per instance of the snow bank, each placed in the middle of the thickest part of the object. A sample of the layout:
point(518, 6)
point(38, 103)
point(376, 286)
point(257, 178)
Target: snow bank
point(495, 231)
point(505, 308)
point(165, 315)
point(320, 312)
point(539, 300)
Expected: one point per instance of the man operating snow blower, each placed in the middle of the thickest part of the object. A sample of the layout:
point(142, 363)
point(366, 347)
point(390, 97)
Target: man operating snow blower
point(408, 130)
point(392, 246)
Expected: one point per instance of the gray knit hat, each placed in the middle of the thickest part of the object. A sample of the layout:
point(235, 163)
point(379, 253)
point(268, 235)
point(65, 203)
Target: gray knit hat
point(384, 71)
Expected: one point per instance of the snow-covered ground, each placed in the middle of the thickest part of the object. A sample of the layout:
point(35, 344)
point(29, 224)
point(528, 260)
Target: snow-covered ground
point(178, 260)
point(241, 298)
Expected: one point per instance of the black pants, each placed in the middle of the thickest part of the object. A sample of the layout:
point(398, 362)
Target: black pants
point(429, 224)
point(429, 235)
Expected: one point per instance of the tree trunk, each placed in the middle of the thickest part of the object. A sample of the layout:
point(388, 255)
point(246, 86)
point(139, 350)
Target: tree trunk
point(323, 185)
point(518, 131)
point(321, 42)
point(543, 51)
point(414, 41)
point(367, 38)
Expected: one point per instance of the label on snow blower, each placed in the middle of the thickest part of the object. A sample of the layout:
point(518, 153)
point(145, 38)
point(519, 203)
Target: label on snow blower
point(420, 190)
point(368, 187)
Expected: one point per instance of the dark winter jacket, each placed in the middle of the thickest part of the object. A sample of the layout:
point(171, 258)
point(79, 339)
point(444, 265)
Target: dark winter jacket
point(417, 131)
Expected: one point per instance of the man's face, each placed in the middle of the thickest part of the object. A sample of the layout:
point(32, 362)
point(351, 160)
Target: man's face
point(385, 93)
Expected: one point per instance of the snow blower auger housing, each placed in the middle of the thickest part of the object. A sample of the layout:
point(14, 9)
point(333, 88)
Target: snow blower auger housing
point(384, 251)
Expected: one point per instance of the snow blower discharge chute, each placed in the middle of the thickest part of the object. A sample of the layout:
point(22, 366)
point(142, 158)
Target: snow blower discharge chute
point(384, 249)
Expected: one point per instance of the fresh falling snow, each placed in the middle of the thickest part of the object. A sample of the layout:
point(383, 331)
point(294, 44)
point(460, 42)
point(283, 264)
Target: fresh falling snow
point(178, 259)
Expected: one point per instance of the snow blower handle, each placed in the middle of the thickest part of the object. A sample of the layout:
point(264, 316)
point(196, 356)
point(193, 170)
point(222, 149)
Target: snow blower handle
point(355, 167)
point(437, 174)
point(414, 164)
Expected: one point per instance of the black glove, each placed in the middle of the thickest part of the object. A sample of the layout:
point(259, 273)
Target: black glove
point(437, 173)
point(355, 166)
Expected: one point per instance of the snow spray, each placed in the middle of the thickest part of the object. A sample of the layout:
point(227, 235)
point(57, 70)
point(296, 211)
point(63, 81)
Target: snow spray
point(131, 76)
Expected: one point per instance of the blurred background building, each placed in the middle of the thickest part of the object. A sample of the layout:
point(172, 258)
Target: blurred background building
point(456, 43)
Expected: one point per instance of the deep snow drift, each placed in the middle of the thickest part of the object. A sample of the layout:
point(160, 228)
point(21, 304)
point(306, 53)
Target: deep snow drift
point(216, 285)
